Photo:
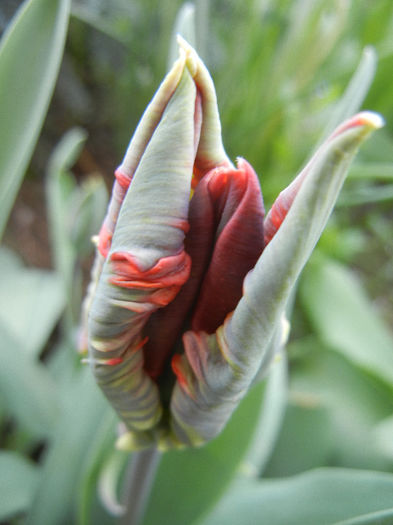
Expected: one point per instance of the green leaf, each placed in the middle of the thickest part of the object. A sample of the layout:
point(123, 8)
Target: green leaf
point(366, 194)
point(345, 319)
point(18, 479)
point(100, 448)
point(383, 517)
point(324, 496)
point(306, 439)
point(64, 468)
point(270, 419)
point(75, 215)
point(32, 302)
point(30, 56)
point(355, 403)
point(189, 482)
point(356, 91)
point(29, 392)
point(60, 189)
point(372, 170)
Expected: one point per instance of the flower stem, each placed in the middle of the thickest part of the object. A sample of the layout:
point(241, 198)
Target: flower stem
point(138, 483)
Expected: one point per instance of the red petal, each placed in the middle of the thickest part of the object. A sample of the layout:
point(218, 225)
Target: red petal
point(281, 206)
point(238, 205)
point(224, 243)
point(165, 325)
point(119, 190)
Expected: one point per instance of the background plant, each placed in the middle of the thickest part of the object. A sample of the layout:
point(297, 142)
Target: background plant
point(285, 73)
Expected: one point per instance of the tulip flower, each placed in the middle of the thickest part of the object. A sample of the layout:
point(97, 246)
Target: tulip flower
point(191, 280)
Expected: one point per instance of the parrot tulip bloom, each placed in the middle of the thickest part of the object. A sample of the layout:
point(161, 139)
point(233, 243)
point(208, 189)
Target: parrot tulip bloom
point(190, 281)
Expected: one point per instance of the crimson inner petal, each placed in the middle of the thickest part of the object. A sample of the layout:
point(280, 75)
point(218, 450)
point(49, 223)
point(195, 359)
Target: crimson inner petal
point(224, 242)
point(237, 201)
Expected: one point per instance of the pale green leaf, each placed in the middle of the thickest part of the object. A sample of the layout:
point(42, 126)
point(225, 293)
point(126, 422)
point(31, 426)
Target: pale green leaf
point(100, 448)
point(323, 497)
point(345, 319)
point(32, 302)
point(84, 411)
point(372, 170)
point(18, 479)
point(27, 388)
point(357, 89)
point(270, 419)
point(357, 404)
point(30, 55)
point(305, 441)
point(60, 189)
point(366, 194)
point(190, 482)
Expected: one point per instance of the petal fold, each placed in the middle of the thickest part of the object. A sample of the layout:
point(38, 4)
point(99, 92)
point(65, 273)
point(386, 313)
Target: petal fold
point(146, 264)
point(216, 370)
point(224, 242)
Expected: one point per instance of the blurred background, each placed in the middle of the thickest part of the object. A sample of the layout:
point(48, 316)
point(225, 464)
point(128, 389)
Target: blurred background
point(286, 72)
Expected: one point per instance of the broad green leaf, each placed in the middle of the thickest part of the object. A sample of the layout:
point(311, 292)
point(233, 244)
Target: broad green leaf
point(31, 303)
point(101, 447)
point(345, 319)
point(382, 517)
point(189, 482)
point(305, 441)
point(27, 388)
point(30, 55)
point(323, 497)
point(355, 403)
point(18, 479)
point(83, 413)
point(383, 436)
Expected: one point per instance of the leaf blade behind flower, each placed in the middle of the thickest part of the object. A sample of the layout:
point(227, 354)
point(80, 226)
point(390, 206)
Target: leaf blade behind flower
point(30, 56)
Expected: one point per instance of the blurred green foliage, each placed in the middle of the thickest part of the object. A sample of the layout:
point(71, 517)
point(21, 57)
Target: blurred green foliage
point(283, 73)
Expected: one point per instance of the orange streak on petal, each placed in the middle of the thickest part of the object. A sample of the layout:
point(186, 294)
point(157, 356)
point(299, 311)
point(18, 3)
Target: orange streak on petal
point(122, 178)
point(165, 278)
point(114, 361)
point(177, 364)
point(104, 240)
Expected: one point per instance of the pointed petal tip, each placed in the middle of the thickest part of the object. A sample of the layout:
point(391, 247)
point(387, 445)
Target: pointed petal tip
point(367, 118)
point(191, 57)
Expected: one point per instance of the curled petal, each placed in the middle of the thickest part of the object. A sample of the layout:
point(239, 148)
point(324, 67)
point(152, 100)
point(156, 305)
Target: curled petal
point(146, 264)
point(169, 273)
point(210, 153)
point(284, 201)
point(224, 242)
point(237, 201)
point(216, 370)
